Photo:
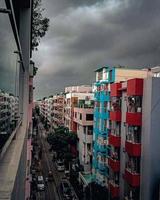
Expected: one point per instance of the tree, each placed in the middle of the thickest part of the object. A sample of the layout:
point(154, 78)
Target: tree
point(40, 24)
point(61, 140)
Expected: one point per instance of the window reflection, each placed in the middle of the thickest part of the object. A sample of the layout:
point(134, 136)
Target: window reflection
point(9, 79)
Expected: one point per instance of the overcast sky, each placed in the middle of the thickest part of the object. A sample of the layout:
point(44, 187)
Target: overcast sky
point(86, 34)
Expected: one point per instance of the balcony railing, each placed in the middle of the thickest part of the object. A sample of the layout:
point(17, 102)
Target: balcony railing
point(115, 140)
point(114, 189)
point(132, 178)
point(102, 148)
point(134, 118)
point(91, 106)
point(115, 115)
point(115, 92)
point(135, 87)
point(114, 164)
point(133, 149)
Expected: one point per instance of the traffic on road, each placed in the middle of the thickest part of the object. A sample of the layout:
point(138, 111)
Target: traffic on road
point(50, 179)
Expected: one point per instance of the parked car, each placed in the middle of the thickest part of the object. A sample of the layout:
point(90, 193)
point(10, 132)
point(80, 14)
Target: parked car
point(66, 190)
point(40, 183)
point(67, 174)
point(60, 165)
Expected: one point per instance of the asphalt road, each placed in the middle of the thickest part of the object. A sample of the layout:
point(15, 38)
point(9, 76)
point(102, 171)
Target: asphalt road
point(52, 191)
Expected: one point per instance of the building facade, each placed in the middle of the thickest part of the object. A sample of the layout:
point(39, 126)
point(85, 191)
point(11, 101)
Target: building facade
point(132, 137)
point(83, 119)
point(58, 110)
point(105, 76)
point(73, 94)
point(52, 110)
point(120, 164)
point(15, 46)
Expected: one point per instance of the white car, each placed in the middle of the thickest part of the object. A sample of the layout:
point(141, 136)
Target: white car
point(40, 183)
point(60, 165)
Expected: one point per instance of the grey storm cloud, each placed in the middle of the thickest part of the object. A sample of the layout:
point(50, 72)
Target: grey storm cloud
point(86, 34)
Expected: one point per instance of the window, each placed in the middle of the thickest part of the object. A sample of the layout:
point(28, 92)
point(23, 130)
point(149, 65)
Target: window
point(80, 116)
point(9, 78)
point(89, 117)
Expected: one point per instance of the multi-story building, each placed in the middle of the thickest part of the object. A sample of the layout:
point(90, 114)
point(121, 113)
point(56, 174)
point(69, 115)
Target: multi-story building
point(42, 105)
point(83, 119)
point(14, 110)
point(58, 110)
point(104, 77)
point(5, 114)
point(123, 137)
point(133, 140)
point(8, 116)
point(73, 94)
point(52, 109)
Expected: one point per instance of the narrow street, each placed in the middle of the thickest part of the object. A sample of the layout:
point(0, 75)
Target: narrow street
point(52, 188)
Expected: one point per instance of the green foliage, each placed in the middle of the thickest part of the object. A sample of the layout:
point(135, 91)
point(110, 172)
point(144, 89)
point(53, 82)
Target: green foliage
point(61, 140)
point(40, 24)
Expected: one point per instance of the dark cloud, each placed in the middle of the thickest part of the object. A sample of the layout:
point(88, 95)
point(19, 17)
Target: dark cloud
point(86, 34)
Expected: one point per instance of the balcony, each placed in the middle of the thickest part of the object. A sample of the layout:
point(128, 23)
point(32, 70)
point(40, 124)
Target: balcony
point(101, 166)
point(114, 189)
point(115, 140)
point(134, 118)
point(115, 116)
point(135, 87)
point(102, 148)
point(87, 138)
point(102, 169)
point(95, 163)
point(133, 149)
point(97, 95)
point(115, 92)
point(114, 164)
point(103, 132)
point(132, 178)
point(96, 112)
point(104, 96)
point(104, 115)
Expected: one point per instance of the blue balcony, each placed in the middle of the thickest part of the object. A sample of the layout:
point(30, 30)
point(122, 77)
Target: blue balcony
point(102, 148)
point(96, 147)
point(104, 133)
point(102, 166)
point(96, 131)
point(102, 153)
point(97, 95)
point(96, 112)
point(94, 164)
point(104, 172)
point(104, 96)
point(104, 115)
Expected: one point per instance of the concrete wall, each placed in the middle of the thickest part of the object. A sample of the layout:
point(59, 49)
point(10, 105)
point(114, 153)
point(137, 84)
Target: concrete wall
point(123, 138)
point(150, 161)
point(83, 121)
point(125, 74)
point(81, 89)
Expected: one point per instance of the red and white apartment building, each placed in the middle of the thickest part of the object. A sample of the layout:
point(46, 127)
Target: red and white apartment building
point(79, 103)
point(134, 137)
